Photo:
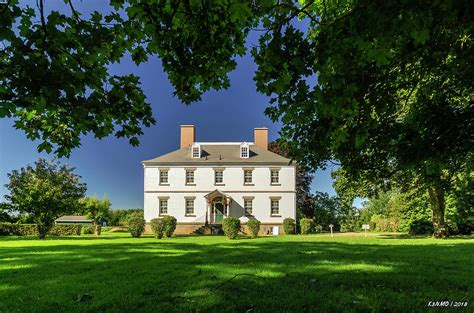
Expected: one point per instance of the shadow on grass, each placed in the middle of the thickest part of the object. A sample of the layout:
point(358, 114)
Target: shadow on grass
point(298, 274)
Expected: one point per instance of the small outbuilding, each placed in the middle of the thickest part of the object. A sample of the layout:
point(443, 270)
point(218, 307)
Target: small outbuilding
point(73, 219)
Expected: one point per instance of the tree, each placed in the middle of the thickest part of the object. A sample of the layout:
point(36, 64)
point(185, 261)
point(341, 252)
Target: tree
point(326, 209)
point(393, 96)
point(45, 191)
point(96, 209)
point(385, 89)
point(304, 201)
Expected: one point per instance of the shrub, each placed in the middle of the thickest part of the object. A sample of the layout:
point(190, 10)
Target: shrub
point(306, 225)
point(254, 227)
point(464, 229)
point(24, 229)
point(88, 230)
point(158, 227)
point(379, 223)
point(66, 230)
point(318, 228)
point(421, 227)
point(7, 229)
point(136, 226)
point(169, 225)
point(289, 226)
point(98, 230)
point(231, 227)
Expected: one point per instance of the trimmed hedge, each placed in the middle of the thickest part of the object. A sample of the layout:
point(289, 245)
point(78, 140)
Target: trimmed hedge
point(231, 227)
point(136, 226)
point(254, 227)
point(169, 225)
point(88, 230)
point(289, 225)
point(65, 230)
point(158, 227)
point(306, 225)
point(7, 229)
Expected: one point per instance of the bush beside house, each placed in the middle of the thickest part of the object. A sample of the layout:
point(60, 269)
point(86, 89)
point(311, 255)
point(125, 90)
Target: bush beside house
point(169, 225)
point(254, 227)
point(158, 227)
point(289, 226)
point(136, 226)
point(231, 227)
point(306, 226)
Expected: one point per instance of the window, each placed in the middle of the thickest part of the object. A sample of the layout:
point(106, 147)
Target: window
point(163, 176)
point(163, 206)
point(275, 206)
point(247, 176)
point(189, 206)
point(196, 150)
point(244, 150)
point(219, 176)
point(248, 206)
point(189, 177)
point(274, 176)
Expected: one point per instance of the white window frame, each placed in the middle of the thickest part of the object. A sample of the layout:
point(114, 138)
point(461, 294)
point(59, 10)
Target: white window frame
point(245, 177)
point(196, 151)
point(163, 206)
point(272, 207)
point(246, 207)
point(162, 176)
point(189, 182)
point(188, 201)
point(273, 171)
point(244, 150)
point(221, 177)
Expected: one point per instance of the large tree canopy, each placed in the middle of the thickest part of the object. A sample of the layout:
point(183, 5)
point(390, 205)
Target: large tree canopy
point(45, 191)
point(384, 88)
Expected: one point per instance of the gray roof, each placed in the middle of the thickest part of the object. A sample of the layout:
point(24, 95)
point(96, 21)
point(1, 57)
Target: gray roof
point(73, 218)
point(216, 154)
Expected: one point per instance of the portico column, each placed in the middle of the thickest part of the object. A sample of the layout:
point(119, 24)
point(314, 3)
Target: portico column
point(207, 210)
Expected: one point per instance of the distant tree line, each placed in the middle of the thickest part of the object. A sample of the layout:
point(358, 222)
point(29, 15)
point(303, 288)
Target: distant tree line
point(41, 193)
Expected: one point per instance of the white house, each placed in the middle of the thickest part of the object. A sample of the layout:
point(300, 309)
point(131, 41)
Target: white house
point(203, 182)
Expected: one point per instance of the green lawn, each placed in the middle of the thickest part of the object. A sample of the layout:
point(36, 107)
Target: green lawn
point(286, 273)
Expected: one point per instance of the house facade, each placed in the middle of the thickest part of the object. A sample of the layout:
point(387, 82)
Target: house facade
point(203, 182)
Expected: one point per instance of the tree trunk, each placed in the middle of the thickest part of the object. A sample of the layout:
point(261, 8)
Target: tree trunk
point(438, 207)
point(42, 231)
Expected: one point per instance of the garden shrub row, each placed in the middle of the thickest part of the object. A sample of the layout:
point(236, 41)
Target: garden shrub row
point(65, 230)
point(7, 229)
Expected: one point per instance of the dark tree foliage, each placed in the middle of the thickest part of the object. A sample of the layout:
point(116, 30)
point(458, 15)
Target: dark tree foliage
point(394, 90)
point(327, 210)
point(45, 192)
point(384, 88)
point(304, 201)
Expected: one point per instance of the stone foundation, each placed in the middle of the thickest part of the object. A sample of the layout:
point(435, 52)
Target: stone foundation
point(189, 228)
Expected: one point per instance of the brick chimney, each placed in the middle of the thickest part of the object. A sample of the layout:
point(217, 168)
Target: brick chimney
point(188, 135)
point(260, 135)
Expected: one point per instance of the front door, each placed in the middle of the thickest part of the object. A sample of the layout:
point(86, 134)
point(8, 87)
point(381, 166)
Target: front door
point(218, 212)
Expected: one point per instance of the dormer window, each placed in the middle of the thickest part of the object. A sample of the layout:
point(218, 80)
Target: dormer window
point(244, 150)
point(196, 151)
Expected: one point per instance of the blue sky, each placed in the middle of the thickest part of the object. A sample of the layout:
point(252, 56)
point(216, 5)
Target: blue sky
point(112, 167)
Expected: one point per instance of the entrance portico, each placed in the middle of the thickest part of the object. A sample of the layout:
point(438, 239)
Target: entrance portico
point(217, 209)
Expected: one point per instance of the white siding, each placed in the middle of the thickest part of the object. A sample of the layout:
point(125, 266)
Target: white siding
point(234, 186)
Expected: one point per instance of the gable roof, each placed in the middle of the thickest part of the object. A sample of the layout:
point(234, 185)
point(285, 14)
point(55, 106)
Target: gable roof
point(214, 154)
point(73, 218)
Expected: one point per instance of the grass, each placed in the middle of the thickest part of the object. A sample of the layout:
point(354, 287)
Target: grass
point(280, 274)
